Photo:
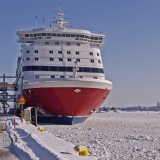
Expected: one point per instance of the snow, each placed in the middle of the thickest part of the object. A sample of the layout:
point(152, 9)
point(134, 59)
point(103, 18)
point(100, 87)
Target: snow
point(6, 150)
point(31, 144)
point(115, 135)
point(109, 136)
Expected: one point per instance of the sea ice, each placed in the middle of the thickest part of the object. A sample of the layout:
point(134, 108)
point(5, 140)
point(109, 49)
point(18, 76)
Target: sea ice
point(114, 136)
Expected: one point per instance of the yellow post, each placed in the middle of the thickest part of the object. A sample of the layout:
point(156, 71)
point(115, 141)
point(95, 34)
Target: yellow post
point(82, 150)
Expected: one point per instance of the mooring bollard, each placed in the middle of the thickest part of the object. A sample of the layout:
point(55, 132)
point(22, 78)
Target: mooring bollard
point(82, 150)
point(14, 122)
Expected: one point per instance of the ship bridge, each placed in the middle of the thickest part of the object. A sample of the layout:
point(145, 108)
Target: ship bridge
point(66, 35)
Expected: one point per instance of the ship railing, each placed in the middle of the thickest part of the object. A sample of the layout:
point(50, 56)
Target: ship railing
point(86, 40)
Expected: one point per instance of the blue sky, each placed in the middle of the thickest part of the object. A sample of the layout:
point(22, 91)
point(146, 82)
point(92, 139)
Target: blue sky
point(131, 54)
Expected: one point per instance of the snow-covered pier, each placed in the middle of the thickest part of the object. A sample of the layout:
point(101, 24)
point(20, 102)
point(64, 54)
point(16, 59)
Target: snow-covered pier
point(31, 144)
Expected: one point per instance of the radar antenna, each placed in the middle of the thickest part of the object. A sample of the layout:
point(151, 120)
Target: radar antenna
point(61, 24)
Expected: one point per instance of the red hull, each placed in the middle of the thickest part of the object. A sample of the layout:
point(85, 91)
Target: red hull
point(65, 101)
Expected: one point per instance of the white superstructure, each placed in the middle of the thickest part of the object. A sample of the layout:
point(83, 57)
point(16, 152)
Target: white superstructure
point(60, 53)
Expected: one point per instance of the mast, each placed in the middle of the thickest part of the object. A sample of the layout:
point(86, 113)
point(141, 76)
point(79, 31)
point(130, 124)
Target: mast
point(60, 23)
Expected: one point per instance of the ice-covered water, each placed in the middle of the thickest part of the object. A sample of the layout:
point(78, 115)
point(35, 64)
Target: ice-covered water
point(115, 135)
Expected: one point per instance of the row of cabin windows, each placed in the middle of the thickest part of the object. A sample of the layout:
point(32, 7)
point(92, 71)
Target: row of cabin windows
point(60, 52)
point(57, 43)
point(52, 76)
point(61, 69)
point(61, 59)
point(63, 35)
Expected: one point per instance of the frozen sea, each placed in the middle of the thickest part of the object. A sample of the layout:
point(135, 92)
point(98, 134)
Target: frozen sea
point(115, 135)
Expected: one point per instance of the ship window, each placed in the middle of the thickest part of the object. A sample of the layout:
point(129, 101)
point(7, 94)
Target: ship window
point(56, 43)
point(34, 35)
point(67, 35)
point(77, 35)
point(31, 35)
point(69, 69)
point(101, 70)
point(27, 59)
point(44, 68)
point(53, 34)
point(97, 54)
point(52, 76)
point(52, 68)
point(80, 76)
point(78, 60)
point(94, 70)
point(92, 60)
point(60, 59)
point(92, 37)
point(27, 51)
point(58, 35)
point(36, 51)
point(91, 53)
point(51, 52)
point(94, 77)
point(69, 59)
point(48, 34)
point(86, 36)
point(26, 35)
point(82, 36)
point(100, 38)
point(68, 44)
point(77, 52)
point(78, 44)
point(96, 38)
point(62, 76)
point(43, 34)
point(99, 61)
point(72, 35)
point(68, 52)
point(62, 68)
point(36, 58)
point(63, 35)
point(35, 68)
point(86, 69)
point(51, 59)
point(46, 43)
point(37, 76)
point(38, 34)
point(70, 76)
point(59, 52)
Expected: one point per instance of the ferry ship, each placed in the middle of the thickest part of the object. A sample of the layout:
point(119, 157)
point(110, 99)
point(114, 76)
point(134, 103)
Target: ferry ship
point(62, 69)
